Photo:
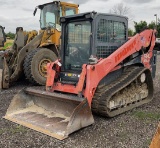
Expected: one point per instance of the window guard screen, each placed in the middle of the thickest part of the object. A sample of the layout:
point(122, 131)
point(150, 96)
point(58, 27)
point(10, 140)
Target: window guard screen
point(110, 35)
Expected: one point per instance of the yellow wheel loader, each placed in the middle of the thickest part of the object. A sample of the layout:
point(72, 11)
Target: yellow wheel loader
point(30, 52)
point(99, 70)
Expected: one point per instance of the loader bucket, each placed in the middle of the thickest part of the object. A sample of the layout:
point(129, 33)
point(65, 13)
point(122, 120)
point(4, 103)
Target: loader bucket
point(54, 114)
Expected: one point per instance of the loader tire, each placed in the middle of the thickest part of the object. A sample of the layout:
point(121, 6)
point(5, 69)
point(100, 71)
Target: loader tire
point(35, 65)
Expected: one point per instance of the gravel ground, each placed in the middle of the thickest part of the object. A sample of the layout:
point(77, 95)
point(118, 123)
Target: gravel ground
point(133, 129)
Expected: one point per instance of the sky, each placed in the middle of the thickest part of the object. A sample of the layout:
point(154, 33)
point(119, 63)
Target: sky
point(19, 13)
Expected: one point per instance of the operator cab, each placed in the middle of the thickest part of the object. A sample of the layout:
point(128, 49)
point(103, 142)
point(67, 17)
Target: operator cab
point(89, 35)
point(51, 13)
point(2, 37)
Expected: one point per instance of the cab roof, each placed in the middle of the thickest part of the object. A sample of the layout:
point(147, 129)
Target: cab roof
point(60, 3)
point(91, 15)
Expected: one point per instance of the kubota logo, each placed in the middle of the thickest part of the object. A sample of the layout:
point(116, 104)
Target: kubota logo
point(125, 51)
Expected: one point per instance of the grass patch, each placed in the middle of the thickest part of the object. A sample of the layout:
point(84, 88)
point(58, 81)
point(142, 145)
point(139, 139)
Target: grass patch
point(7, 45)
point(18, 129)
point(146, 115)
point(147, 143)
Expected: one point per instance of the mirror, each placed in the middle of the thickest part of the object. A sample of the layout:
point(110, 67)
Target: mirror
point(35, 11)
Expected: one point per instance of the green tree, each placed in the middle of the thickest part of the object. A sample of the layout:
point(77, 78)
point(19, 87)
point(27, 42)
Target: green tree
point(130, 32)
point(10, 35)
point(158, 29)
point(140, 26)
point(152, 25)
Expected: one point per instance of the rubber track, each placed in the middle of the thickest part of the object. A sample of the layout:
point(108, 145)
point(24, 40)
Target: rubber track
point(104, 93)
point(27, 67)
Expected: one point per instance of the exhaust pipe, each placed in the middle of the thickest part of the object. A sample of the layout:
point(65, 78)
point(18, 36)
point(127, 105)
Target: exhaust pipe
point(54, 114)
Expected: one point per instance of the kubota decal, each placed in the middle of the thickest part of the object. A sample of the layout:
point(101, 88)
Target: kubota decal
point(147, 58)
point(125, 51)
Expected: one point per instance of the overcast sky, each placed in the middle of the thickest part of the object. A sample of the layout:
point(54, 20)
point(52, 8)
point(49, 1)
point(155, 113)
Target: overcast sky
point(14, 13)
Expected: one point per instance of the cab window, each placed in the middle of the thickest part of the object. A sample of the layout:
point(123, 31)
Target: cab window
point(70, 11)
point(50, 17)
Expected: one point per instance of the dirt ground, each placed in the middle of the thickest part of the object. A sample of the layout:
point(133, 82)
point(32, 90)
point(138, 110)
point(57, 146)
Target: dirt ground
point(133, 129)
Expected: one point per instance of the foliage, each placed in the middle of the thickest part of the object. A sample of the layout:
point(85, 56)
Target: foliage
point(10, 35)
point(130, 32)
point(152, 25)
point(140, 26)
point(7, 44)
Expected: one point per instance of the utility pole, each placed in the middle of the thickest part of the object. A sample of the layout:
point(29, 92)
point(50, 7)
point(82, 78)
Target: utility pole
point(156, 20)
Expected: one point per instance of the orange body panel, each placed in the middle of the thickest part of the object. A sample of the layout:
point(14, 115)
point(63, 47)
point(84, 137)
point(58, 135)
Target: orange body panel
point(156, 139)
point(94, 73)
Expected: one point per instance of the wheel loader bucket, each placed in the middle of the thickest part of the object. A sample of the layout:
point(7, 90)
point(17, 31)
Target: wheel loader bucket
point(54, 114)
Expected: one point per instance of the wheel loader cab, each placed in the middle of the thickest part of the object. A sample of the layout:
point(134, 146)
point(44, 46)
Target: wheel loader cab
point(51, 13)
point(89, 35)
point(50, 24)
point(2, 37)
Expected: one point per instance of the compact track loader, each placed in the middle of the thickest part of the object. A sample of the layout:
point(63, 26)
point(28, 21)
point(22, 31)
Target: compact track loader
point(30, 52)
point(99, 71)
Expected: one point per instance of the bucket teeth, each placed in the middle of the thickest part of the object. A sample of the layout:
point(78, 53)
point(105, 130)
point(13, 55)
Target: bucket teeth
point(50, 113)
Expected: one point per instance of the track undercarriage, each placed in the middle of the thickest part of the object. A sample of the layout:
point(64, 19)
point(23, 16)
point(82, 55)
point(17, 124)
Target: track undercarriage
point(132, 89)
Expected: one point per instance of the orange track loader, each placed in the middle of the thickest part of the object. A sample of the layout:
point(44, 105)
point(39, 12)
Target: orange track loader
point(99, 70)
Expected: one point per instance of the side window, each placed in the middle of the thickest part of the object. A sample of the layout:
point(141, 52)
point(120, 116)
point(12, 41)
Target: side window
point(70, 11)
point(50, 17)
point(111, 31)
point(110, 35)
point(119, 32)
point(60, 11)
point(104, 31)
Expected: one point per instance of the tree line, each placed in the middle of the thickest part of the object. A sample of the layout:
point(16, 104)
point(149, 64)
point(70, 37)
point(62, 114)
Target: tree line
point(140, 26)
point(10, 35)
point(122, 9)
